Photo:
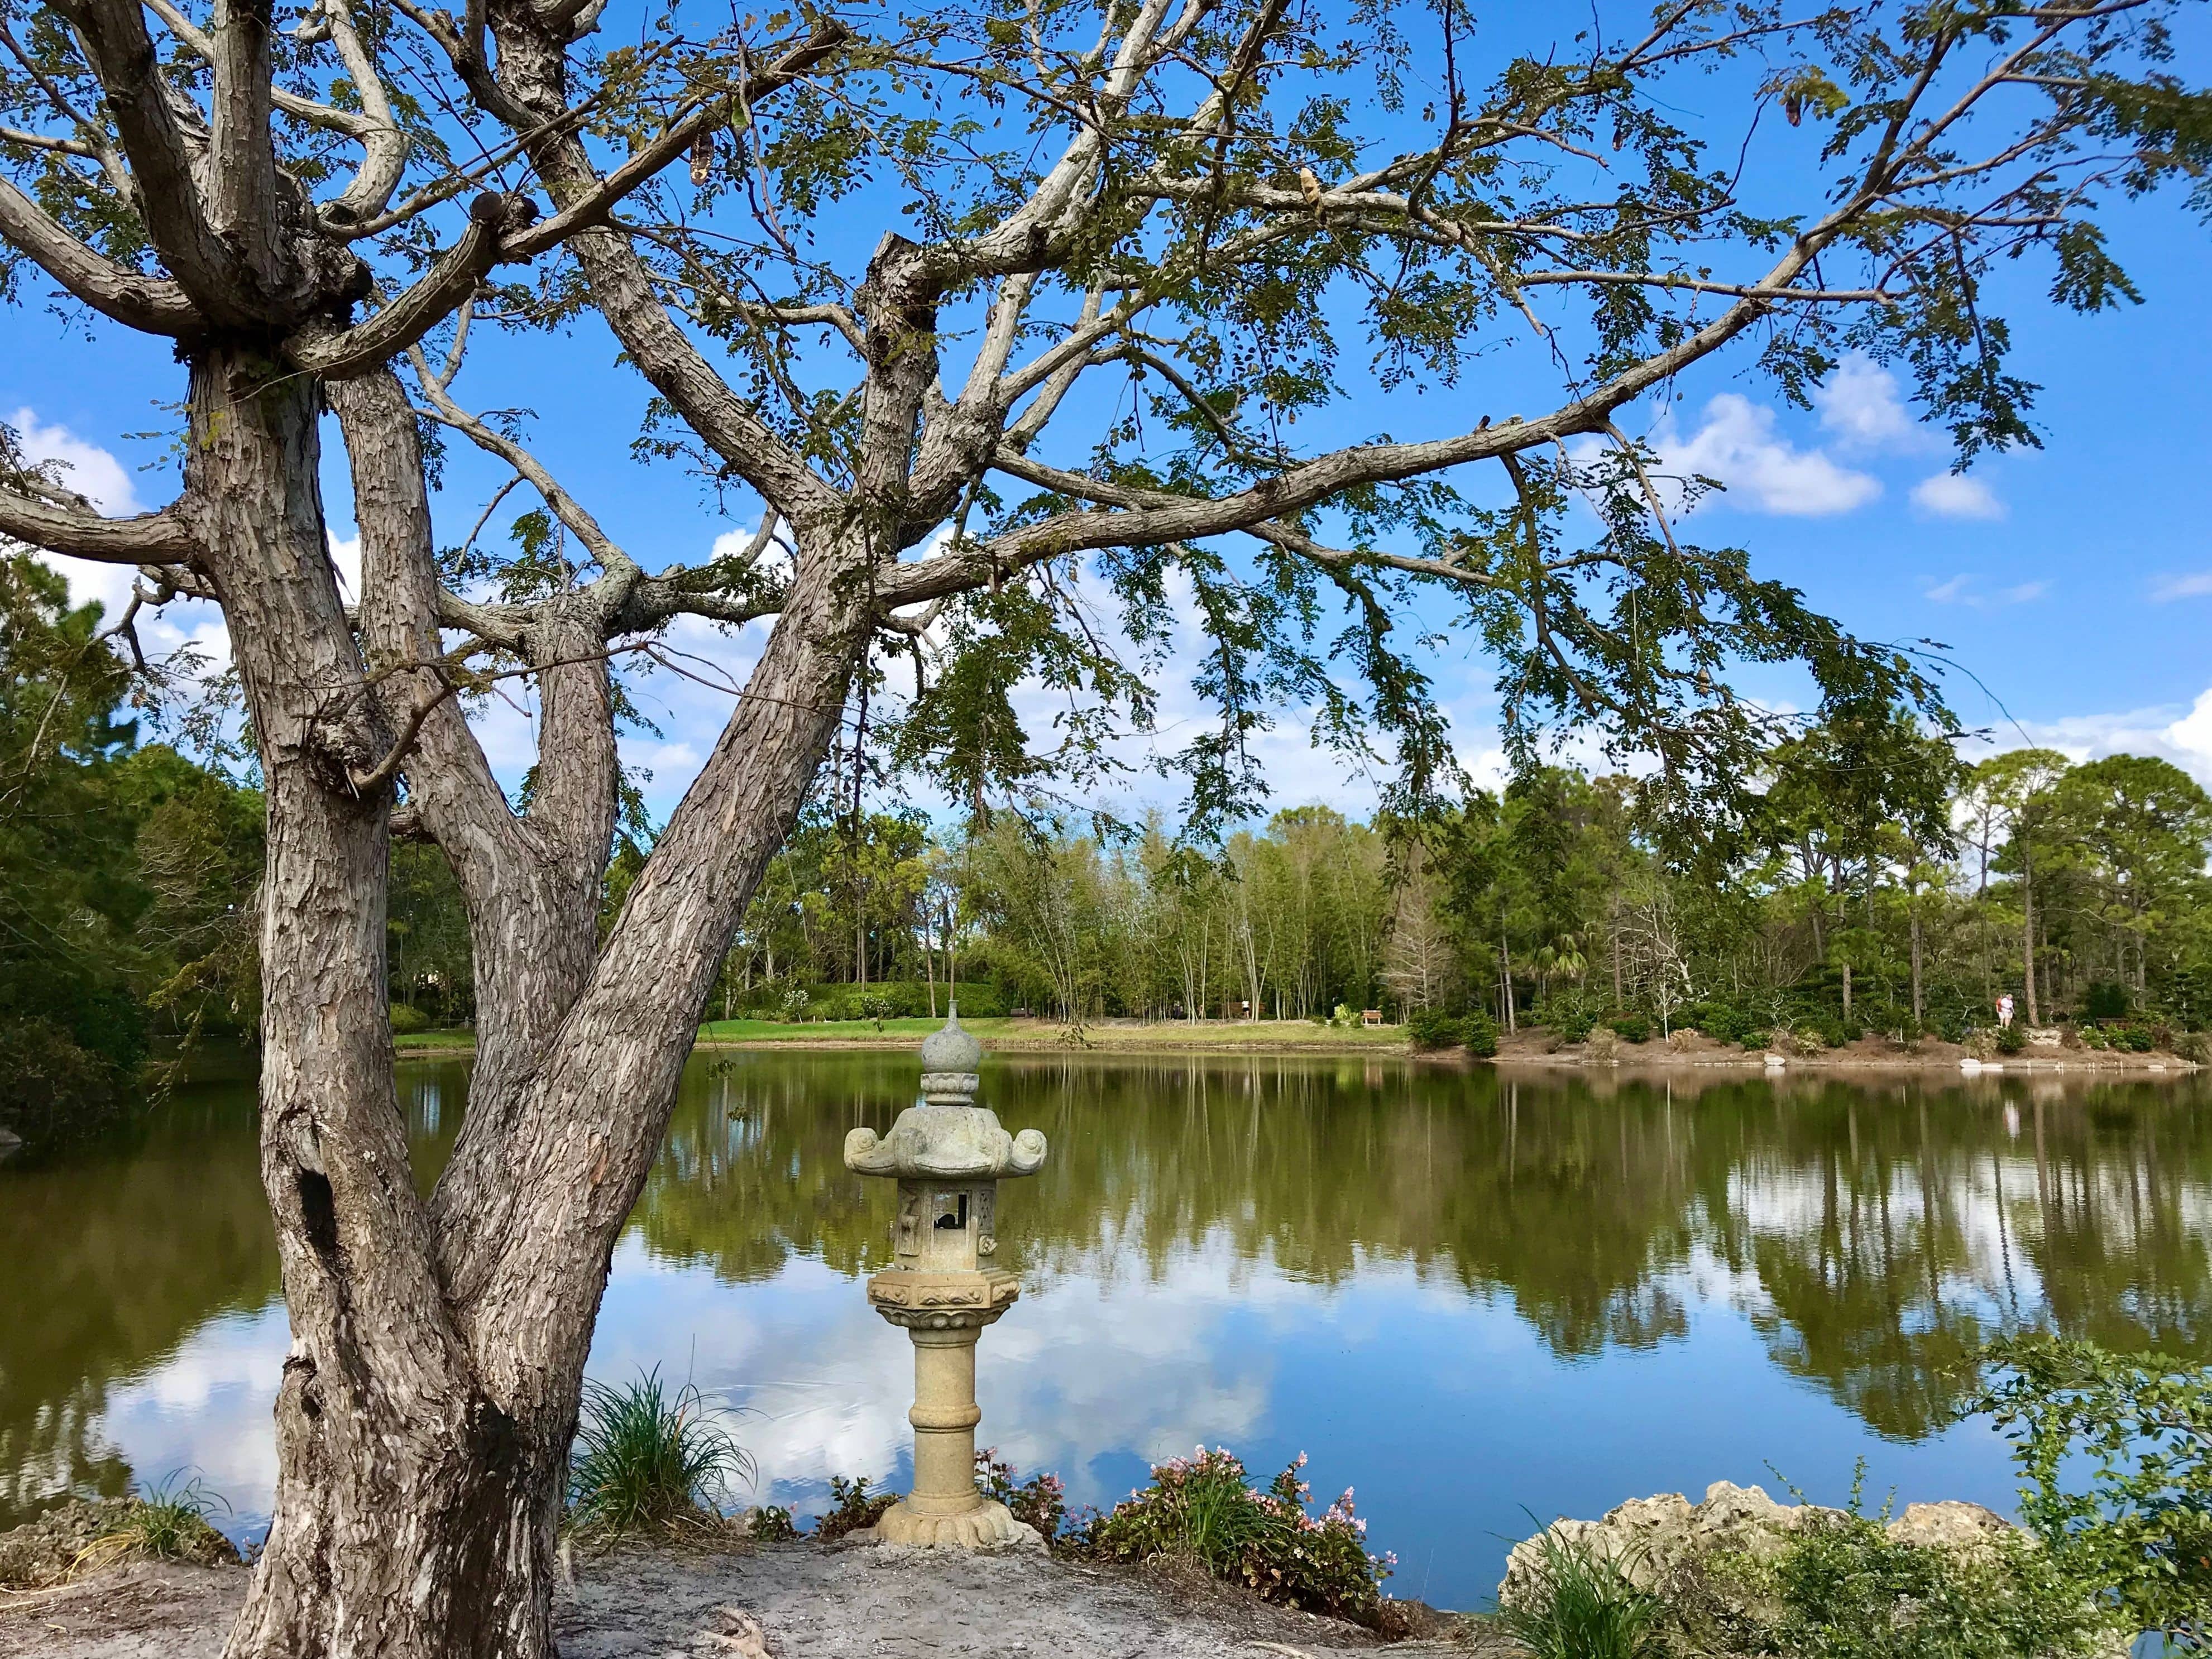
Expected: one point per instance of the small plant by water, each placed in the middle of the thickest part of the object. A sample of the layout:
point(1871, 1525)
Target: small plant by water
point(646, 1460)
point(1582, 1604)
point(1040, 1501)
point(853, 1508)
point(1204, 1510)
point(168, 1521)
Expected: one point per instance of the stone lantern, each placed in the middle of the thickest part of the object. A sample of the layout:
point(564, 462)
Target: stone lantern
point(948, 1155)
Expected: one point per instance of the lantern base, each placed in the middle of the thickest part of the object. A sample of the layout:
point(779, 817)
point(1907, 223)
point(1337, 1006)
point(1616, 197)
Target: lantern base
point(988, 1526)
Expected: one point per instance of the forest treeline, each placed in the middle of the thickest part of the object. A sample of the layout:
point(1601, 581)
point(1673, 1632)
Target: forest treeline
point(1871, 881)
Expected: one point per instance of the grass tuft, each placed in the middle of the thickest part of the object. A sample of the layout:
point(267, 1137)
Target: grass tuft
point(649, 1460)
point(168, 1522)
point(1582, 1605)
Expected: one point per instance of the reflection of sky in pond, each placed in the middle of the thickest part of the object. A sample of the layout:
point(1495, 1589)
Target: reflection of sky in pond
point(1470, 1308)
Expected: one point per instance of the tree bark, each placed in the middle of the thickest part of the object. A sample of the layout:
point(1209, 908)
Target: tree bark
point(2027, 927)
point(432, 1391)
point(400, 1492)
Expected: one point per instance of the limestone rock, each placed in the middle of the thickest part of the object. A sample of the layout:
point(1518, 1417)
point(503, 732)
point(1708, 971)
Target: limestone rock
point(41, 1552)
point(1647, 1538)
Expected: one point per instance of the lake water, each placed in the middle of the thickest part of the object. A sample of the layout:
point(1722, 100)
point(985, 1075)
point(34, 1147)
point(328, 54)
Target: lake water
point(1474, 1298)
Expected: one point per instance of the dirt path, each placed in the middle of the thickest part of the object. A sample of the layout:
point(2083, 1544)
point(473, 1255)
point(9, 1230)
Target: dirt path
point(782, 1602)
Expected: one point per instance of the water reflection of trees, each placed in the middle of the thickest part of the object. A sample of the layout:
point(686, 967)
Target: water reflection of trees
point(1873, 1234)
point(113, 1254)
point(108, 1260)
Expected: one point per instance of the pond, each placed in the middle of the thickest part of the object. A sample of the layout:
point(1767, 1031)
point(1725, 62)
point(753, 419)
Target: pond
point(1475, 1298)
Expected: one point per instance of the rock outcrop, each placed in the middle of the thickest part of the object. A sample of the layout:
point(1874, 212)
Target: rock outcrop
point(1648, 1538)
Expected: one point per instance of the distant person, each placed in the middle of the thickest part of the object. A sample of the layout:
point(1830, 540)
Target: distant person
point(2004, 1010)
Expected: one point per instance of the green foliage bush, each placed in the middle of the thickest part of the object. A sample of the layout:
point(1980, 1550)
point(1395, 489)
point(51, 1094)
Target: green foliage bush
point(1630, 1028)
point(1202, 1508)
point(853, 1508)
point(406, 1021)
point(773, 1524)
point(2011, 1039)
point(1480, 1035)
point(2106, 1000)
point(1845, 1589)
point(2117, 1454)
point(2135, 1039)
point(646, 1460)
point(1432, 1028)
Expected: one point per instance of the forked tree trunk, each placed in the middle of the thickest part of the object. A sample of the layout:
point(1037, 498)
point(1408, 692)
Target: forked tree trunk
point(431, 1393)
point(387, 1469)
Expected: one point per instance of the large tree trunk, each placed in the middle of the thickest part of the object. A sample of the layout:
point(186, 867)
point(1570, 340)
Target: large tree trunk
point(2027, 928)
point(396, 1486)
point(428, 1402)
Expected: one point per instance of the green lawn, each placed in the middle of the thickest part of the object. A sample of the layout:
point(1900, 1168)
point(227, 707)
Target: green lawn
point(1260, 1036)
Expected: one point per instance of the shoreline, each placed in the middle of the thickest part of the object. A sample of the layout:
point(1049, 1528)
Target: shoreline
point(843, 1600)
point(1519, 1052)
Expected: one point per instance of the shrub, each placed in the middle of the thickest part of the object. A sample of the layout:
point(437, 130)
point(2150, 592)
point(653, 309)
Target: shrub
point(2107, 999)
point(1843, 1588)
point(1807, 1039)
point(2195, 1046)
point(792, 1008)
point(772, 1524)
point(1758, 1039)
point(1481, 1035)
point(1041, 1501)
point(2135, 1039)
point(647, 1460)
point(1432, 1028)
point(2093, 1036)
point(1573, 1026)
point(1581, 1605)
point(1630, 1028)
point(853, 1508)
point(1602, 1046)
point(406, 1021)
point(2138, 1534)
point(1201, 1508)
point(2011, 1039)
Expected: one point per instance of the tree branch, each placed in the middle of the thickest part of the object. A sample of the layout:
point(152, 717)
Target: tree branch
point(81, 533)
point(148, 304)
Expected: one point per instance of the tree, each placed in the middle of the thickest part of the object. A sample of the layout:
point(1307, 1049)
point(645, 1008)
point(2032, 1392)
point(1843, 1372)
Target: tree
point(1183, 207)
point(2017, 784)
point(2138, 829)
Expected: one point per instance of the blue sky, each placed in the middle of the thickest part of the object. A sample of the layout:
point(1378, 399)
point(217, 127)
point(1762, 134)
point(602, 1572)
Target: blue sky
point(2074, 582)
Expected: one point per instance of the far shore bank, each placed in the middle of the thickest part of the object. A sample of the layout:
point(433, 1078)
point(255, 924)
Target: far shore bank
point(1534, 1050)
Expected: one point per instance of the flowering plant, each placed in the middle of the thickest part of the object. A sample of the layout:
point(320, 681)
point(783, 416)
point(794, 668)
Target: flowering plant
point(1203, 1508)
point(1041, 1501)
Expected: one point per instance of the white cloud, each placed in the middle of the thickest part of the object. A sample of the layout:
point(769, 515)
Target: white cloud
point(1955, 495)
point(96, 474)
point(1737, 445)
point(2195, 585)
point(2168, 732)
point(1964, 589)
point(89, 469)
point(1860, 405)
point(346, 555)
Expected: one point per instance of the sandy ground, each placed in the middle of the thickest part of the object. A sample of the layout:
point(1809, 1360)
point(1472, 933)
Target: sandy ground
point(796, 1602)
